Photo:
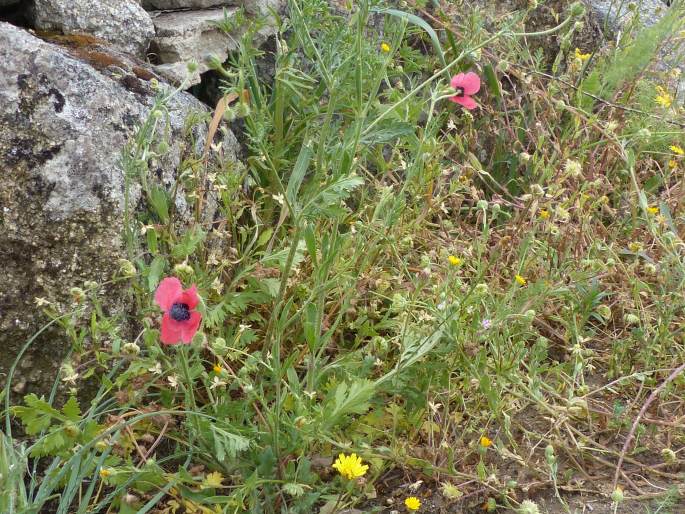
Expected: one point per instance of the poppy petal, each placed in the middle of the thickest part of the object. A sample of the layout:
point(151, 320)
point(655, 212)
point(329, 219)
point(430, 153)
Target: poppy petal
point(171, 330)
point(169, 289)
point(189, 328)
point(466, 101)
point(457, 81)
point(189, 297)
point(470, 83)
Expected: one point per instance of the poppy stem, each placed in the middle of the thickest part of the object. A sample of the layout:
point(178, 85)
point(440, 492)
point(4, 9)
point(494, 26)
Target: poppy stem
point(190, 394)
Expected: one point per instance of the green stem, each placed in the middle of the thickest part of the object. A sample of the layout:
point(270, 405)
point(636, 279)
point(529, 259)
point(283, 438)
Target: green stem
point(190, 394)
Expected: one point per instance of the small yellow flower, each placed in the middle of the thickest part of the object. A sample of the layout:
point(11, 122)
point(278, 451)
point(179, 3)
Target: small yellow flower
point(635, 246)
point(485, 441)
point(351, 466)
point(217, 369)
point(544, 214)
point(672, 163)
point(678, 150)
point(385, 47)
point(663, 97)
point(454, 261)
point(652, 210)
point(520, 280)
point(581, 56)
point(412, 503)
point(105, 472)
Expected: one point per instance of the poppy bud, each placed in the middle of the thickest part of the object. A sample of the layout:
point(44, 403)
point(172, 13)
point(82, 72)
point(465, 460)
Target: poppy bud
point(617, 495)
point(127, 268)
point(77, 294)
point(577, 9)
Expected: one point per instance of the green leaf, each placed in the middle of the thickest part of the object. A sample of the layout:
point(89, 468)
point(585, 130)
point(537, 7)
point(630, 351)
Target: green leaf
point(298, 174)
point(36, 415)
point(228, 444)
point(329, 198)
point(72, 410)
point(294, 490)
point(491, 81)
point(348, 399)
point(310, 326)
point(51, 444)
point(271, 286)
point(160, 203)
point(191, 239)
point(388, 133)
point(155, 272)
point(264, 237)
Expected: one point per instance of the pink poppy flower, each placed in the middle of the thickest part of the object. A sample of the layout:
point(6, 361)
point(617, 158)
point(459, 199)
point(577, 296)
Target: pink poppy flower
point(180, 322)
point(466, 84)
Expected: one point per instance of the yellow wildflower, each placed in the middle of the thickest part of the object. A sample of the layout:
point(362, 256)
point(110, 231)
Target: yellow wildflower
point(385, 47)
point(485, 441)
point(544, 214)
point(581, 56)
point(217, 369)
point(105, 472)
point(520, 280)
point(412, 503)
point(663, 97)
point(635, 246)
point(454, 261)
point(652, 210)
point(672, 163)
point(678, 150)
point(351, 466)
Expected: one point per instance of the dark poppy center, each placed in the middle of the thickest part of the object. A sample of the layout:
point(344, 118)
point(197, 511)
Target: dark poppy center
point(180, 312)
point(459, 91)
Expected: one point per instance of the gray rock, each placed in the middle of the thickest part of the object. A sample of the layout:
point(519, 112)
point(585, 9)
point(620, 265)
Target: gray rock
point(186, 4)
point(614, 15)
point(123, 23)
point(63, 126)
point(193, 36)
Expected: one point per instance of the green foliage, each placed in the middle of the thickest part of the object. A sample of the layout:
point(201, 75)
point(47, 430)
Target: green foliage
point(387, 274)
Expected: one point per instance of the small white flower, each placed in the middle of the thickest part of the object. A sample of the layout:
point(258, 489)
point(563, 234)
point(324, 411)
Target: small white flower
point(217, 382)
point(156, 369)
point(279, 198)
point(173, 381)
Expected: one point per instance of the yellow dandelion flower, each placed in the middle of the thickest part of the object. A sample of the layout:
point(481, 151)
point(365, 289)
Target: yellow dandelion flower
point(652, 210)
point(385, 47)
point(581, 56)
point(663, 97)
point(544, 214)
point(454, 261)
point(485, 441)
point(217, 369)
point(351, 466)
point(520, 280)
point(678, 150)
point(412, 503)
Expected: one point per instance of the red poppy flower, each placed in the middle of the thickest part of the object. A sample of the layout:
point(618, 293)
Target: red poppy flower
point(180, 322)
point(466, 84)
